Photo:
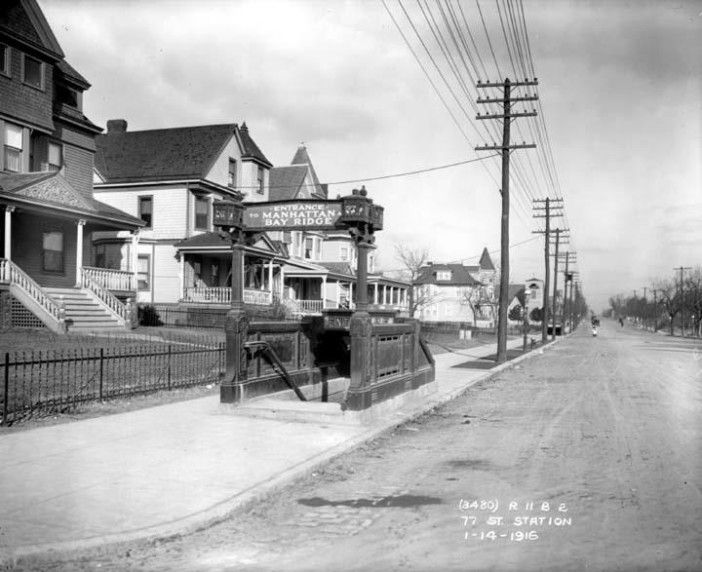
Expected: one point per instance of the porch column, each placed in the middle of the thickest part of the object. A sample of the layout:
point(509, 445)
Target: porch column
point(79, 251)
point(270, 280)
point(323, 293)
point(385, 294)
point(181, 275)
point(134, 262)
point(338, 293)
point(350, 294)
point(375, 294)
point(8, 231)
point(263, 276)
point(282, 282)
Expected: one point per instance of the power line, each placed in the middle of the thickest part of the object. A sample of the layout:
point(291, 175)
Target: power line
point(380, 177)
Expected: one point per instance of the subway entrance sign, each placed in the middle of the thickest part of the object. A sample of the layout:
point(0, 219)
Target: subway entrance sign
point(293, 215)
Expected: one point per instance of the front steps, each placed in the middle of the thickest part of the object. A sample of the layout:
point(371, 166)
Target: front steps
point(83, 310)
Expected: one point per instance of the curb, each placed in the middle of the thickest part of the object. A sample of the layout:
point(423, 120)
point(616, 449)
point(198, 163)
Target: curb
point(224, 509)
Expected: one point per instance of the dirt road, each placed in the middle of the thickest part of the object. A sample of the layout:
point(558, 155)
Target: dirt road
point(586, 457)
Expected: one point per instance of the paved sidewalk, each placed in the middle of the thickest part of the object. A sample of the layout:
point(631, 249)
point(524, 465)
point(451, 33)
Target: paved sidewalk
point(171, 468)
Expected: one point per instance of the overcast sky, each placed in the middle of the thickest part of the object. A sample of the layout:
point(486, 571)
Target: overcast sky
point(620, 84)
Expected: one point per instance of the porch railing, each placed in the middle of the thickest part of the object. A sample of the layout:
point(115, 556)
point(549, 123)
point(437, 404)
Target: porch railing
point(111, 279)
point(311, 306)
point(223, 295)
point(214, 295)
point(104, 296)
point(257, 297)
point(12, 274)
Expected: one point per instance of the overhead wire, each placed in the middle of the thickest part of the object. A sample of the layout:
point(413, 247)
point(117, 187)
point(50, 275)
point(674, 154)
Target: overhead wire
point(440, 72)
point(446, 50)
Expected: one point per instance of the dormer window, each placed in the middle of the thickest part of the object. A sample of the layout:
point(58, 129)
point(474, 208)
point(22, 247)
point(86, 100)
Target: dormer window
point(68, 96)
point(443, 275)
point(32, 72)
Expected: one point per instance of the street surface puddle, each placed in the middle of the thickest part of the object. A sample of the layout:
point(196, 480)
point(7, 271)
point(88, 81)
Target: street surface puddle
point(475, 464)
point(392, 501)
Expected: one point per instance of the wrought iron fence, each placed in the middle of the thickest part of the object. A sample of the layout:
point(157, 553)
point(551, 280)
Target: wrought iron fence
point(57, 380)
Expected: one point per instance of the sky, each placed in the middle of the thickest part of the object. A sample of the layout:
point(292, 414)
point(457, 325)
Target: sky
point(620, 94)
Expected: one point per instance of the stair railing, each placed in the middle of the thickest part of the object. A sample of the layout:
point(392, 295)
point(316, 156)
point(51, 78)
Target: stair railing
point(104, 296)
point(12, 274)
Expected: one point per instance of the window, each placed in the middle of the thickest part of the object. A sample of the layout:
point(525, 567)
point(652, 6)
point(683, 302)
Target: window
point(344, 253)
point(13, 147)
point(146, 206)
point(443, 275)
point(309, 245)
point(202, 213)
point(68, 96)
point(232, 172)
point(317, 248)
point(260, 179)
point(4, 59)
point(297, 243)
point(144, 272)
point(52, 252)
point(287, 237)
point(55, 157)
point(33, 72)
point(100, 256)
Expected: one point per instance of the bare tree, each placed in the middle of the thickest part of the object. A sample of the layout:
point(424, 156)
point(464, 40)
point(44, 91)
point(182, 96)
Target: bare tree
point(669, 299)
point(413, 260)
point(478, 298)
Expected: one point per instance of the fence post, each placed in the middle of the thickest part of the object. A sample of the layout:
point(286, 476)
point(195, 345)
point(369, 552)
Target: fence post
point(169, 367)
point(6, 400)
point(102, 361)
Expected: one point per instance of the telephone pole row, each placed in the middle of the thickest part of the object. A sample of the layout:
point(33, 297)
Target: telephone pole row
point(551, 207)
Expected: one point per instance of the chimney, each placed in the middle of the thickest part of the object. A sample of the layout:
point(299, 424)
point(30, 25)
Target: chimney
point(116, 126)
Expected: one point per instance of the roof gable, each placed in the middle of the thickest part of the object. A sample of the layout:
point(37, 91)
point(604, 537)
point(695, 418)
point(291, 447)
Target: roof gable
point(301, 157)
point(51, 190)
point(249, 149)
point(24, 20)
point(284, 183)
point(486, 261)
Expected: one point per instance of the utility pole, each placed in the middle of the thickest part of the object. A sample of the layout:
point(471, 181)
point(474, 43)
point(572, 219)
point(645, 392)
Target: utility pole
point(567, 275)
point(506, 115)
point(546, 212)
point(570, 304)
point(682, 304)
point(555, 280)
point(655, 310)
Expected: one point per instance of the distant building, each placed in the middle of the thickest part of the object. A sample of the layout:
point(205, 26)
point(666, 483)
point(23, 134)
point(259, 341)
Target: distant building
point(534, 295)
point(457, 292)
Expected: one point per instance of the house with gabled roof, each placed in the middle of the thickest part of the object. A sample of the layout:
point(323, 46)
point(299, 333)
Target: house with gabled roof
point(455, 292)
point(169, 179)
point(49, 275)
